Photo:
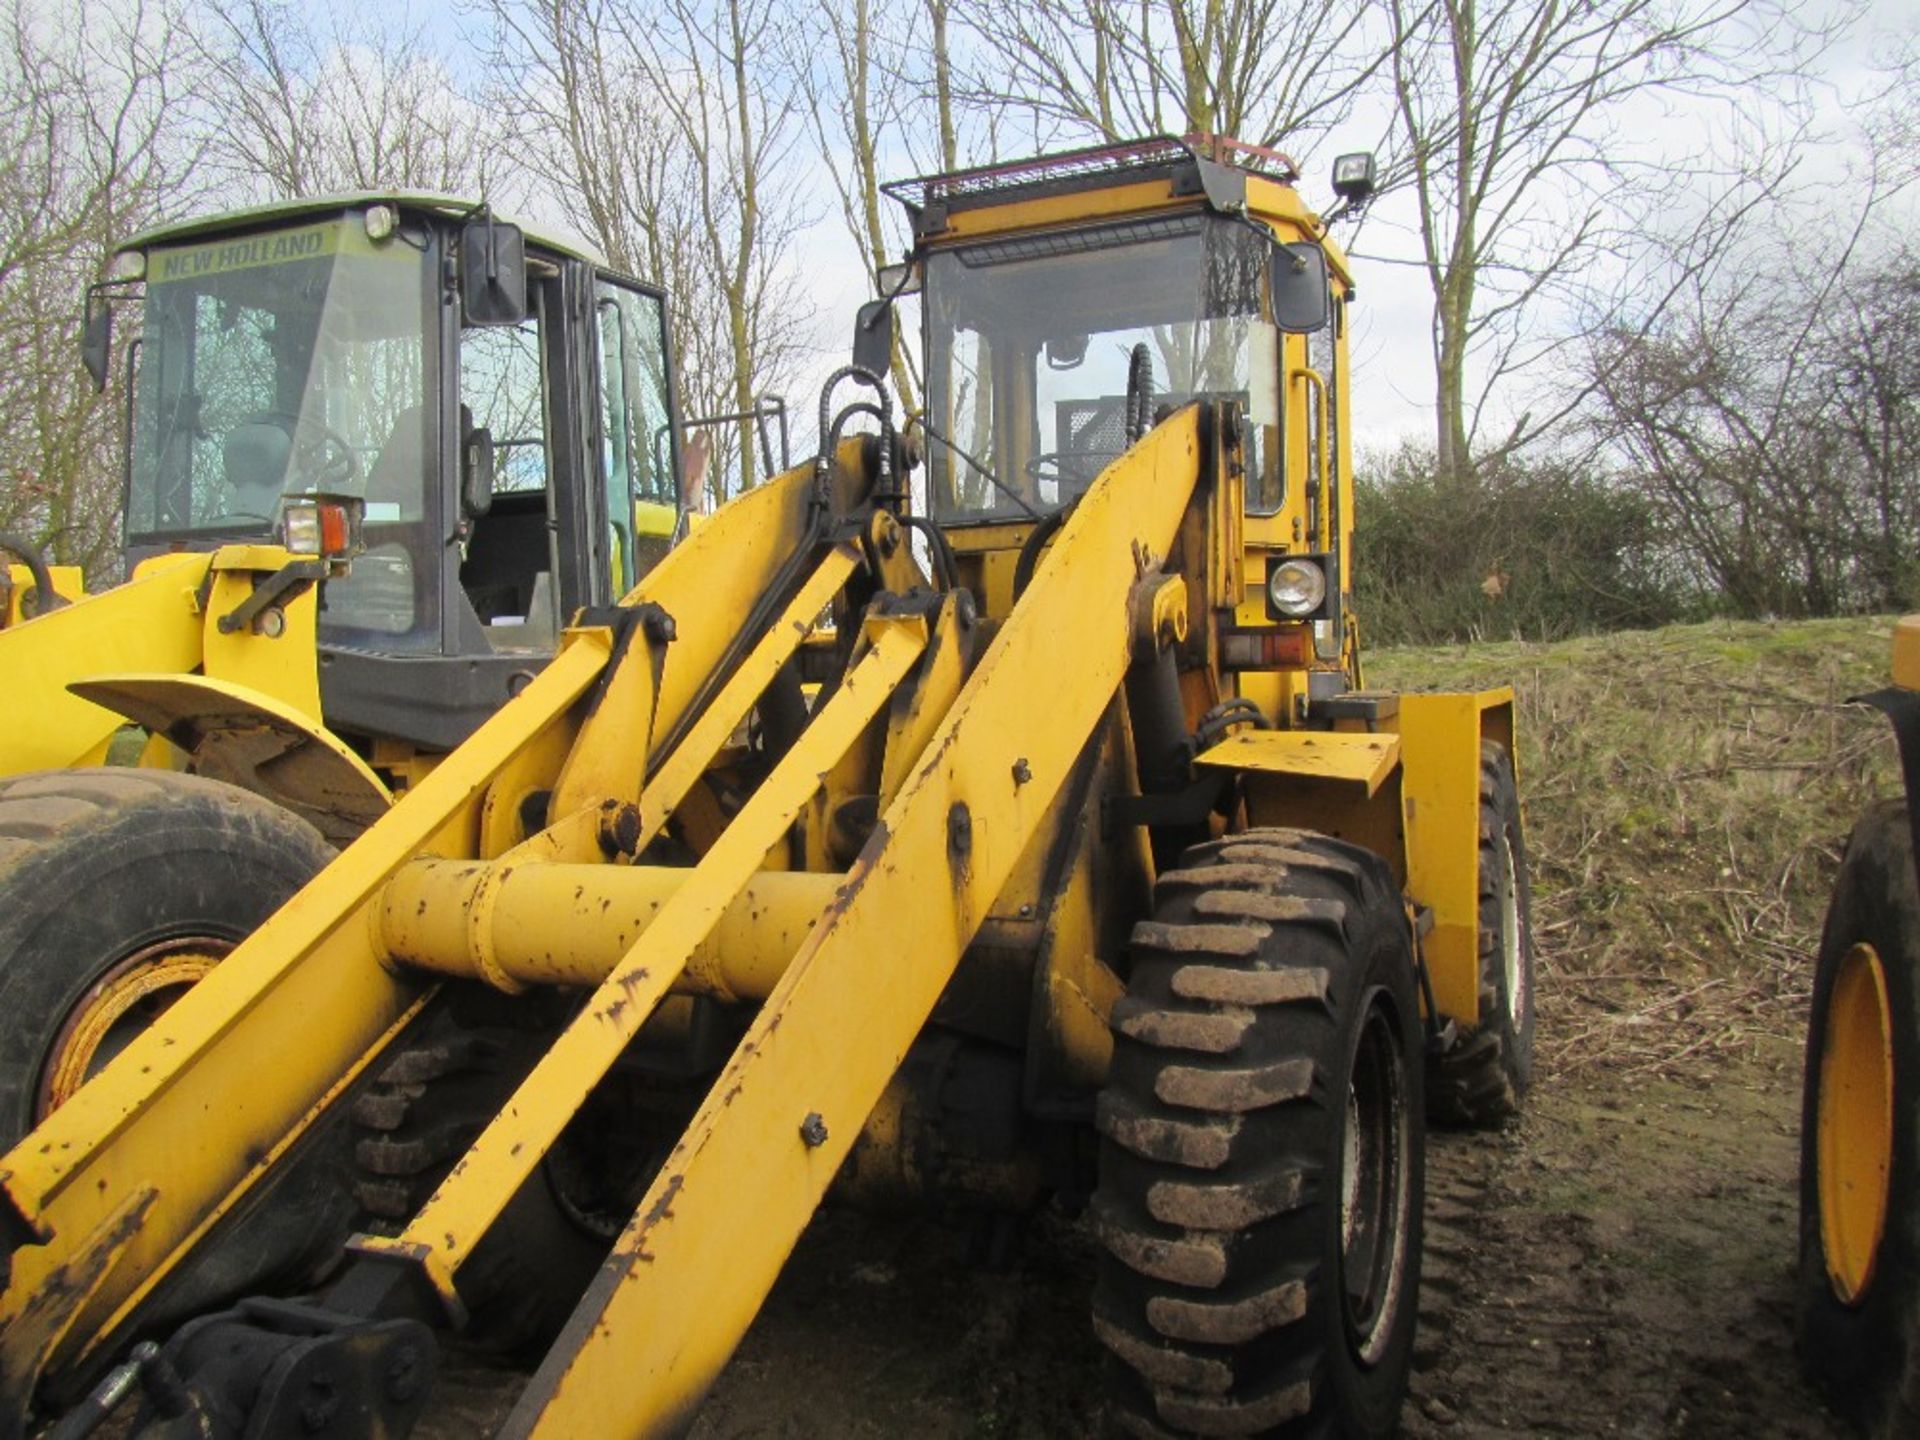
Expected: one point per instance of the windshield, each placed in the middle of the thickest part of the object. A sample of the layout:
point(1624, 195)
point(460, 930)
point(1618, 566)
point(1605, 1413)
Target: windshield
point(1031, 340)
point(282, 361)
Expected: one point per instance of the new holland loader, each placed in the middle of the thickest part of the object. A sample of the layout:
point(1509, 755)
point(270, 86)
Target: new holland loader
point(378, 447)
point(1859, 1291)
point(988, 814)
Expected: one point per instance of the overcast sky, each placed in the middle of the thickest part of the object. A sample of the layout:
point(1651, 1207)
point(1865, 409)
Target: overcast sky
point(1392, 353)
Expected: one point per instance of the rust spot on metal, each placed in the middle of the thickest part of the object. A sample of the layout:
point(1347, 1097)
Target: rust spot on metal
point(663, 1207)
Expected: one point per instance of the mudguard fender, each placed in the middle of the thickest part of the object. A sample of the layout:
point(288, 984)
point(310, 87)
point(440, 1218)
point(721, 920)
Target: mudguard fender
point(248, 738)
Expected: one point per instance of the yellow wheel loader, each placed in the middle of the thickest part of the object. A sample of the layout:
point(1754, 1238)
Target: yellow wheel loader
point(988, 813)
point(377, 448)
point(1859, 1311)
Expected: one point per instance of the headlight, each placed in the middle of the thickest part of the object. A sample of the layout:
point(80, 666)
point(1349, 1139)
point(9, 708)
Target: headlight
point(1296, 587)
point(380, 221)
point(325, 526)
point(128, 265)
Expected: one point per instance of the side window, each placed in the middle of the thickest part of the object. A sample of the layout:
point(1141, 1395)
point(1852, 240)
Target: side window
point(500, 392)
point(507, 559)
point(636, 427)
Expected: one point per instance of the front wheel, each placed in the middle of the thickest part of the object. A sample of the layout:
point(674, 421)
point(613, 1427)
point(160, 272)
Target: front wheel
point(119, 889)
point(1859, 1285)
point(1481, 1079)
point(1262, 1161)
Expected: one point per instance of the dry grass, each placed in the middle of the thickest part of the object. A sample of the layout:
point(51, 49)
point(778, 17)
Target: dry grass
point(1687, 794)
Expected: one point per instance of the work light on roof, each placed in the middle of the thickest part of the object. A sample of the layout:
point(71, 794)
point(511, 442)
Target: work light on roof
point(1353, 177)
point(128, 266)
point(380, 221)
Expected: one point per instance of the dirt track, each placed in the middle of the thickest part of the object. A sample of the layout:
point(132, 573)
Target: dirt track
point(1617, 1263)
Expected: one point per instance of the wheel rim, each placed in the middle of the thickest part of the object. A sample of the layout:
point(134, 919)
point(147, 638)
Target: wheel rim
point(1375, 1187)
point(122, 1003)
point(1512, 943)
point(1854, 1120)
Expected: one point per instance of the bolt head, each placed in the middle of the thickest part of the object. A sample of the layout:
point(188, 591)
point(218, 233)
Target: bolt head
point(813, 1130)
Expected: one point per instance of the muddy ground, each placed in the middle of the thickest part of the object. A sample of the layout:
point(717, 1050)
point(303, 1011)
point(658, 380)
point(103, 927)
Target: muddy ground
point(1618, 1262)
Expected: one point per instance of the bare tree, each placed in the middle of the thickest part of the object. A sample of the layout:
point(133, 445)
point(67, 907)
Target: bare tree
point(302, 105)
point(863, 97)
point(1513, 121)
point(680, 128)
point(89, 152)
point(1772, 410)
point(1266, 71)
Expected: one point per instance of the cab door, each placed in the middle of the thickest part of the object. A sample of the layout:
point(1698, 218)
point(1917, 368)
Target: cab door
point(639, 441)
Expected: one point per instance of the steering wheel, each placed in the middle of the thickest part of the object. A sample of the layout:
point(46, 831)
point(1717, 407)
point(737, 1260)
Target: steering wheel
point(323, 458)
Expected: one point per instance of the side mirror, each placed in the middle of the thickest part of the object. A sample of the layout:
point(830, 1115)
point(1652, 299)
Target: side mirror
point(1066, 352)
point(1301, 300)
point(873, 338)
point(476, 472)
point(96, 340)
point(493, 273)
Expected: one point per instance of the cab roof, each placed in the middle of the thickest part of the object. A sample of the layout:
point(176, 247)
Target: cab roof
point(1109, 182)
point(432, 203)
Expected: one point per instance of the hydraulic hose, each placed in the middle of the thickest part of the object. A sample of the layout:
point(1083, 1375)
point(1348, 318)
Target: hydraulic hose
point(45, 597)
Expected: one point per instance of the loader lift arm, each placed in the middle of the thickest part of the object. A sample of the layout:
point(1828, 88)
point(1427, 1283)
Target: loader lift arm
point(109, 1204)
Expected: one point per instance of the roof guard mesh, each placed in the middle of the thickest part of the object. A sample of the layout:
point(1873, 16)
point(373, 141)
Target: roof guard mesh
point(1154, 153)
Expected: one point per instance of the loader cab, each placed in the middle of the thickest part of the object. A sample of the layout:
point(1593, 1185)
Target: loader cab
point(1067, 303)
point(506, 457)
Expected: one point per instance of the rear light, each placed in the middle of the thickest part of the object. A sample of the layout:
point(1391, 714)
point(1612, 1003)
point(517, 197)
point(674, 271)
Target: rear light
point(324, 526)
point(1280, 649)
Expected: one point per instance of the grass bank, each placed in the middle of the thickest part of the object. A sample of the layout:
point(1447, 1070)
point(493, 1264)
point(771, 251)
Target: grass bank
point(1687, 791)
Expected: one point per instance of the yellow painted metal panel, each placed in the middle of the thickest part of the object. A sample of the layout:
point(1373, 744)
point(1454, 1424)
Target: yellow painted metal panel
point(694, 1265)
point(1440, 793)
point(284, 665)
point(148, 624)
point(1079, 208)
point(1906, 652)
point(1312, 754)
point(682, 770)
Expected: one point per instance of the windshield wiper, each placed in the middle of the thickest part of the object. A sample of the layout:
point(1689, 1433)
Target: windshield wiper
point(979, 469)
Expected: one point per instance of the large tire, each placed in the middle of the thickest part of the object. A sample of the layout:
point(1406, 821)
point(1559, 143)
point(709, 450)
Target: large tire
point(118, 889)
point(1859, 1286)
point(1481, 1079)
point(1262, 1159)
point(430, 1100)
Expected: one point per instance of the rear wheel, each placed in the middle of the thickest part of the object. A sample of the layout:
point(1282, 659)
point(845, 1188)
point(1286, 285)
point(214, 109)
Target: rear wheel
point(1480, 1081)
point(429, 1102)
point(119, 889)
point(1261, 1169)
point(1860, 1137)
